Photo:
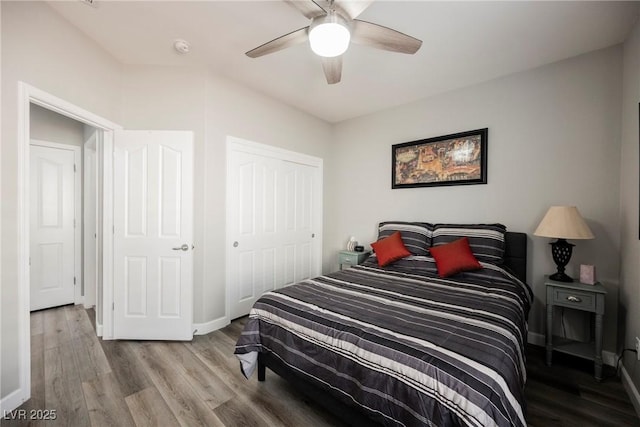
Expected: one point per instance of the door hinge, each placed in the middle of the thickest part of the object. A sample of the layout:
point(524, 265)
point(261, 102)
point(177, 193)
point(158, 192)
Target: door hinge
point(74, 280)
point(113, 306)
point(74, 223)
point(74, 168)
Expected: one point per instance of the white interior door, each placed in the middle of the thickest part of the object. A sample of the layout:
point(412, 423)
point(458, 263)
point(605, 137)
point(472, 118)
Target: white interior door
point(53, 238)
point(273, 218)
point(153, 235)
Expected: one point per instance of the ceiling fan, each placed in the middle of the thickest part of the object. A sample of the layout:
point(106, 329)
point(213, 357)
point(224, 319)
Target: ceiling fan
point(333, 26)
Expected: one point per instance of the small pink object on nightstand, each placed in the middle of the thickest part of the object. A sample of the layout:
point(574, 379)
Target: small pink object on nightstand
point(588, 274)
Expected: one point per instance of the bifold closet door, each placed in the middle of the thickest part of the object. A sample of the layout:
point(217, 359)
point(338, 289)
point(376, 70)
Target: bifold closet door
point(272, 216)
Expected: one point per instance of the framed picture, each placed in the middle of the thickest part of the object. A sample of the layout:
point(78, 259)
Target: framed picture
point(457, 159)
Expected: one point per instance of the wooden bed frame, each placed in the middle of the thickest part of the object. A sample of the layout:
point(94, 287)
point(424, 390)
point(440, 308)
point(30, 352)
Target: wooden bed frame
point(515, 261)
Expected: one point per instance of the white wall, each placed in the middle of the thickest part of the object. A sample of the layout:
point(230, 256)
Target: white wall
point(554, 138)
point(237, 111)
point(172, 98)
point(42, 49)
point(176, 98)
point(629, 215)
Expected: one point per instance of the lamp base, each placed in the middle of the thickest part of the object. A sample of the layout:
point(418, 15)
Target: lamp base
point(561, 277)
point(561, 251)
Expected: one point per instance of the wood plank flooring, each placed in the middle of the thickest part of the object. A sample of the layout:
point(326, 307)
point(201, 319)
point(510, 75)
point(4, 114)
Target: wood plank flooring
point(90, 382)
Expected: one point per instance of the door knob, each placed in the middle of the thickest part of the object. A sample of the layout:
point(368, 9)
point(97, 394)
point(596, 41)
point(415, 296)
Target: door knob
point(184, 247)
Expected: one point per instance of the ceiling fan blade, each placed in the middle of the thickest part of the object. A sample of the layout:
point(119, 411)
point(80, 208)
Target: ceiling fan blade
point(308, 8)
point(374, 35)
point(283, 42)
point(332, 69)
point(350, 8)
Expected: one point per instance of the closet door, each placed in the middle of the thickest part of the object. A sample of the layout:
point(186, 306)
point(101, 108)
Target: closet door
point(274, 220)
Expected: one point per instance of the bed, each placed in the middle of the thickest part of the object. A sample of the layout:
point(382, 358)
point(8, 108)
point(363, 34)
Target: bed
point(399, 345)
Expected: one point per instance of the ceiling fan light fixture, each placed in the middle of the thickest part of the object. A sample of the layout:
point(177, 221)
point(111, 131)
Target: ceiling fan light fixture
point(329, 35)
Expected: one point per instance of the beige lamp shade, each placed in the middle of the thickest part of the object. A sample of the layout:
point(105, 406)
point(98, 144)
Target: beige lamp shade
point(563, 222)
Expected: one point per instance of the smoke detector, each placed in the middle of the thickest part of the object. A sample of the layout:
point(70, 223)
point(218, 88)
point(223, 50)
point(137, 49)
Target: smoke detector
point(181, 46)
point(91, 3)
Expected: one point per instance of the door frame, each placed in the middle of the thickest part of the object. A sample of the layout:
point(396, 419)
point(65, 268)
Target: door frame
point(78, 297)
point(234, 144)
point(90, 196)
point(27, 95)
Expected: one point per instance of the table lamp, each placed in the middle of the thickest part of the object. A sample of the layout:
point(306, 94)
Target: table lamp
point(563, 222)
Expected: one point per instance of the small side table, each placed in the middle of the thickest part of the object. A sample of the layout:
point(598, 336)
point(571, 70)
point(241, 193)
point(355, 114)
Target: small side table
point(347, 259)
point(578, 296)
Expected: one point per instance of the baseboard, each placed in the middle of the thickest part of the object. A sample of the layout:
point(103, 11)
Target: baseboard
point(631, 389)
point(99, 329)
point(208, 327)
point(11, 401)
point(608, 358)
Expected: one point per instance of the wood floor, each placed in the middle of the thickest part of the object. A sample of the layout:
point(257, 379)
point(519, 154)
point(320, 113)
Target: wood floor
point(90, 382)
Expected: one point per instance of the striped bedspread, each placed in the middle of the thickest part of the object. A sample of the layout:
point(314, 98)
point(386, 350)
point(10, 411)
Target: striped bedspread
point(407, 347)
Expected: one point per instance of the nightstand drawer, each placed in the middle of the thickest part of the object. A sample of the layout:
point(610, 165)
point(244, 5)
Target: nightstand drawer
point(346, 258)
point(575, 299)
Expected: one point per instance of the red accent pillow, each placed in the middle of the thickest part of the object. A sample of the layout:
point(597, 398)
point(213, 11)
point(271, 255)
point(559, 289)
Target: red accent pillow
point(390, 249)
point(455, 257)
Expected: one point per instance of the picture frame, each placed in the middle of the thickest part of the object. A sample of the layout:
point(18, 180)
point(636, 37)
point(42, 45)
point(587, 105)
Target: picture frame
point(456, 159)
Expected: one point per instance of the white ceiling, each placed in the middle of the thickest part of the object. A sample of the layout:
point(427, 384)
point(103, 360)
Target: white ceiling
point(463, 43)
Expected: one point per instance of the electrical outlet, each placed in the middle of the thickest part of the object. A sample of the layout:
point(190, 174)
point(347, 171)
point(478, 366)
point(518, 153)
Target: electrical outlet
point(638, 348)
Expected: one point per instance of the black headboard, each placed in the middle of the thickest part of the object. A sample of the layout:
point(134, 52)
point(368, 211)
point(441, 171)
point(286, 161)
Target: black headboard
point(515, 254)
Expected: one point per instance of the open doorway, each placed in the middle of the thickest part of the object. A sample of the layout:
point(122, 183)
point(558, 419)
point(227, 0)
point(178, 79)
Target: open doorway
point(30, 97)
point(134, 170)
point(63, 222)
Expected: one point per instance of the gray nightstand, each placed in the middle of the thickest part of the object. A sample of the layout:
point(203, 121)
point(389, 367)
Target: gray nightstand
point(348, 258)
point(578, 296)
